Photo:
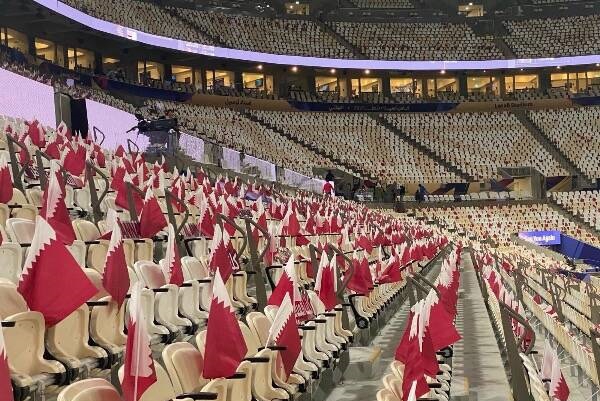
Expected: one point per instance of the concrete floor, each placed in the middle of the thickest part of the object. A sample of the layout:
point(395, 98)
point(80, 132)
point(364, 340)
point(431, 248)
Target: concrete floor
point(478, 370)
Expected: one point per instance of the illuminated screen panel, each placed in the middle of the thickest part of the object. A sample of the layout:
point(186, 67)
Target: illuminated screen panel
point(26, 98)
point(236, 54)
point(114, 123)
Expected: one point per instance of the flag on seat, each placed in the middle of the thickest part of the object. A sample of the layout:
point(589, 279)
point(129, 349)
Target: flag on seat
point(220, 259)
point(54, 210)
point(326, 282)
point(6, 391)
point(284, 333)
point(139, 373)
point(559, 390)
point(287, 285)
point(172, 264)
point(152, 219)
point(115, 277)
point(225, 346)
point(52, 281)
point(6, 183)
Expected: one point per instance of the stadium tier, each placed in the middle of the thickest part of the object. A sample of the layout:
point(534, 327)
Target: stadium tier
point(361, 200)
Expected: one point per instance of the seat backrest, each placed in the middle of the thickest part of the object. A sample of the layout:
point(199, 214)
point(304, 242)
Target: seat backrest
point(107, 324)
point(193, 268)
point(12, 302)
point(86, 230)
point(184, 364)
point(260, 325)
point(252, 341)
point(89, 390)
point(20, 230)
point(11, 256)
point(386, 395)
point(150, 273)
point(161, 390)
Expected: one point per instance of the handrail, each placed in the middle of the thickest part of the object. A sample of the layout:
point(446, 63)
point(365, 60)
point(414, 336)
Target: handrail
point(96, 130)
point(266, 234)
point(130, 202)
point(524, 322)
point(427, 282)
point(221, 218)
point(129, 143)
point(347, 277)
point(169, 197)
point(14, 163)
point(96, 201)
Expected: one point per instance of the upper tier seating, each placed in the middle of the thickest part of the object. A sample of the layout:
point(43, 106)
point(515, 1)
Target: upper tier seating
point(270, 35)
point(573, 131)
point(553, 37)
point(141, 15)
point(418, 41)
point(357, 139)
point(478, 143)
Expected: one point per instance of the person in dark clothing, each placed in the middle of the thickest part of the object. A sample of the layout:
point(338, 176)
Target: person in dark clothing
point(329, 176)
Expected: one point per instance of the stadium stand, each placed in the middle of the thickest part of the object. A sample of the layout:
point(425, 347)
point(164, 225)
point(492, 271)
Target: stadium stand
point(362, 141)
point(572, 131)
point(226, 269)
point(552, 37)
point(500, 222)
point(418, 41)
point(581, 203)
point(478, 143)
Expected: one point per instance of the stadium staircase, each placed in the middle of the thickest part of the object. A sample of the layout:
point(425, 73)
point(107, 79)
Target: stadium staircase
point(408, 139)
point(358, 54)
point(192, 24)
point(504, 48)
point(559, 155)
point(352, 169)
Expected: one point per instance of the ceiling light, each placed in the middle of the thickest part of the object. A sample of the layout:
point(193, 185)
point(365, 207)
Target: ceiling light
point(294, 69)
point(259, 67)
point(367, 72)
point(332, 71)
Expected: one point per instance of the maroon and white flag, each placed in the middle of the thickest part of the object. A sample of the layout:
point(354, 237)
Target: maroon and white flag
point(52, 282)
point(284, 333)
point(139, 373)
point(115, 277)
point(225, 346)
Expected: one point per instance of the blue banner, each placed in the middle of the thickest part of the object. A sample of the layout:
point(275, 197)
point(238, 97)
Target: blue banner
point(543, 238)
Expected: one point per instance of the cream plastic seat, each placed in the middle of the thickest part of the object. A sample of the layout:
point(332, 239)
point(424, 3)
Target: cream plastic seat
point(166, 305)
point(68, 340)
point(194, 269)
point(163, 389)
point(260, 325)
point(25, 343)
point(24, 210)
point(331, 336)
point(189, 300)
point(86, 231)
point(258, 363)
point(107, 327)
point(184, 364)
point(11, 256)
point(387, 395)
point(21, 231)
point(89, 390)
